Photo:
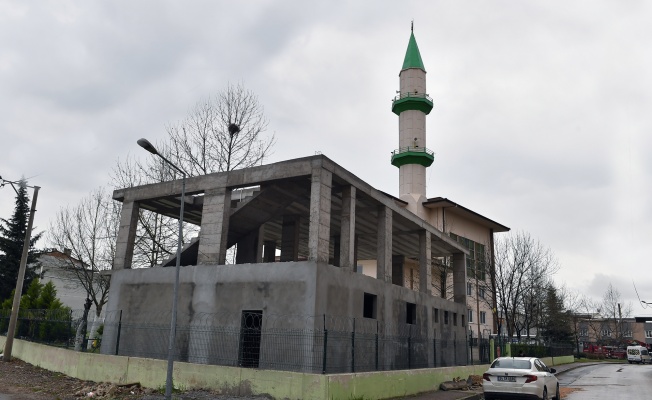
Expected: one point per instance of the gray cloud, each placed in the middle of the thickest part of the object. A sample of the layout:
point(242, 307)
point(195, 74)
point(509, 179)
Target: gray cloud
point(540, 118)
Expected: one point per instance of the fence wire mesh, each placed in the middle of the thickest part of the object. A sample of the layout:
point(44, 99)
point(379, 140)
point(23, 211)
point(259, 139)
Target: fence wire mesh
point(316, 344)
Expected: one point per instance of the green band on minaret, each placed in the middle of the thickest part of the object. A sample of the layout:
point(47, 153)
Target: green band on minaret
point(412, 56)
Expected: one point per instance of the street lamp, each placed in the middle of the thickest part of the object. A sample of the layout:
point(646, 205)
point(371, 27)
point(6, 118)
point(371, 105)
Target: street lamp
point(145, 144)
point(9, 343)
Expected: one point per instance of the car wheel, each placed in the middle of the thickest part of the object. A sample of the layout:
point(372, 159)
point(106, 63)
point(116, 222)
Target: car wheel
point(545, 394)
point(557, 395)
point(630, 361)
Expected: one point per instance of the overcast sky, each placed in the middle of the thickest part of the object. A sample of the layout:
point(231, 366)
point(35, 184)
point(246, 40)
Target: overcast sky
point(542, 117)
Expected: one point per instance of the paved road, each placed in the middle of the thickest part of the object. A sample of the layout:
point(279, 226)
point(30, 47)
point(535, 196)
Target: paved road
point(609, 381)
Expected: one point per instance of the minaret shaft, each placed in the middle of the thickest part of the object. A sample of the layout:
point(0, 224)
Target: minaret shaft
point(412, 105)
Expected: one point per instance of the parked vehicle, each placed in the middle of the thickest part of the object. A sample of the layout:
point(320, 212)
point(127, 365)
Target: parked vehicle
point(520, 377)
point(638, 354)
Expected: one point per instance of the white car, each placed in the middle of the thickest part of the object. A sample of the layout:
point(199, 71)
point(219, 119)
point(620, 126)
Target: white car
point(520, 378)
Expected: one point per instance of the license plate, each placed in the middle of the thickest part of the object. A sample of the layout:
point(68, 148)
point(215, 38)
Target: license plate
point(506, 379)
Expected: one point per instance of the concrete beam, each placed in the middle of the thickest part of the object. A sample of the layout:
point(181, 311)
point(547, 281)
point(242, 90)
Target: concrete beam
point(290, 238)
point(384, 244)
point(425, 262)
point(347, 229)
point(124, 248)
point(320, 214)
point(214, 231)
point(459, 278)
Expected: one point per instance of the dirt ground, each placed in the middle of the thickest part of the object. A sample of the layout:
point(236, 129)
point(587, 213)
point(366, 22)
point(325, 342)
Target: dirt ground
point(22, 381)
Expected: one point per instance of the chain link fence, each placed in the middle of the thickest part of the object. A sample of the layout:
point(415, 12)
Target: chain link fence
point(330, 345)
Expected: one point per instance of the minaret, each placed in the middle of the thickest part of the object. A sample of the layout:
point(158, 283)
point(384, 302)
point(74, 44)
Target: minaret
point(412, 105)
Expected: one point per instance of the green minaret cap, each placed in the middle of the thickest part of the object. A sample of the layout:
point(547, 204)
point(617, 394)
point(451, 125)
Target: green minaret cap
point(412, 55)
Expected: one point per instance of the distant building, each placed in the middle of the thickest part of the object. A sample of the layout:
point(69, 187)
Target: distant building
point(57, 267)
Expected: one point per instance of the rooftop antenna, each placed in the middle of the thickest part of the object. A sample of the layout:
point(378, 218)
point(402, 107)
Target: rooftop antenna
point(412, 26)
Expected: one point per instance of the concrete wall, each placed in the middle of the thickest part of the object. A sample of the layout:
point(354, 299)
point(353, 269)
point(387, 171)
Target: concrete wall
point(241, 381)
point(236, 381)
point(291, 295)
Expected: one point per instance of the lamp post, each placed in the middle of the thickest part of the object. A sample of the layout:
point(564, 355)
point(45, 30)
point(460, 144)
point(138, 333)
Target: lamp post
point(145, 144)
point(21, 276)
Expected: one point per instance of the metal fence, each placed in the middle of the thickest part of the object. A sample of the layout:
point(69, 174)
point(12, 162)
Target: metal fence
point(330, 345)
point(54, 327)
point(325, 345)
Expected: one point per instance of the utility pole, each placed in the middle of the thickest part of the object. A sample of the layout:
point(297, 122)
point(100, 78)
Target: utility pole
point(19, 283)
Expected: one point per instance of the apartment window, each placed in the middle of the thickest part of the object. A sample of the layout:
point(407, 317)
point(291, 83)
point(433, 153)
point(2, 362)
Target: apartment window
point(435, 315)
point(606, 333)
point(475, 261)
point(454, 319)
point(648, 334)
point(481, 293)
point(627, 334)
point(445, 317)
point(411, 313)
point(470, 316)
point(463, 321)
point(585, 332)
point(483, 317)
point(469, 288)
point(369, 305)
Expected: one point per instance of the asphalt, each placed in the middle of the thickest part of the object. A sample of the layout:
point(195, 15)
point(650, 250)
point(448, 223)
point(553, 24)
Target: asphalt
point(476, 393)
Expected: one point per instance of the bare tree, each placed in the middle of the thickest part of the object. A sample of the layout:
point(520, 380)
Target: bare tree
point(89, 231)
point(203, 143)
point(522, 265)
point(613, 311)
point(156, 236)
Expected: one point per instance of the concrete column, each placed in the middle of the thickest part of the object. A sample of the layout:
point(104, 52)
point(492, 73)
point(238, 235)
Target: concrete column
point(214, 231)
point(347, 229)
point(320, 215)
point(384, 244)
point(124, 247)
point(259, 244)
point(247, 248)
point(270, 251)
point(459, 278)
point(425, 261)
point(290, 238)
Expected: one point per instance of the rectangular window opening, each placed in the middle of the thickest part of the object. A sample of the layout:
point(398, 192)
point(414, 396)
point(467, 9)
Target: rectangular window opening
point(454, 319)
point(483, 317)
point(435, 315)
point(445, 317)
point(369, 306)
point(411, 313)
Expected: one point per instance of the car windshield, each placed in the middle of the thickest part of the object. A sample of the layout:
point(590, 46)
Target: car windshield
point(511, 363)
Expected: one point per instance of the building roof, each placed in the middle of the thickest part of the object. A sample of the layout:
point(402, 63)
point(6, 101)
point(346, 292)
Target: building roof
point(284, 188)
point(412, 56)
point(454, 208)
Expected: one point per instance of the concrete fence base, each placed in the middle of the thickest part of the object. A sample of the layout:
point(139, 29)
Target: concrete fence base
point(241, 381)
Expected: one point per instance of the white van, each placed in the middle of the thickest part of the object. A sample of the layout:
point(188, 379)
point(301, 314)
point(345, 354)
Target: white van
point(638, 354)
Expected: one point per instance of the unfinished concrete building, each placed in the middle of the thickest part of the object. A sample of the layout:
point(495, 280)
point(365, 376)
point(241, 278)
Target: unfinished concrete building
point(320, 218)
point(335, 275)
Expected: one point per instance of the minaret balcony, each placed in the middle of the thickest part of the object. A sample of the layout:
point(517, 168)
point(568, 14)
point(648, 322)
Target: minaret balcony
point(412, 101)
point(412, 155)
